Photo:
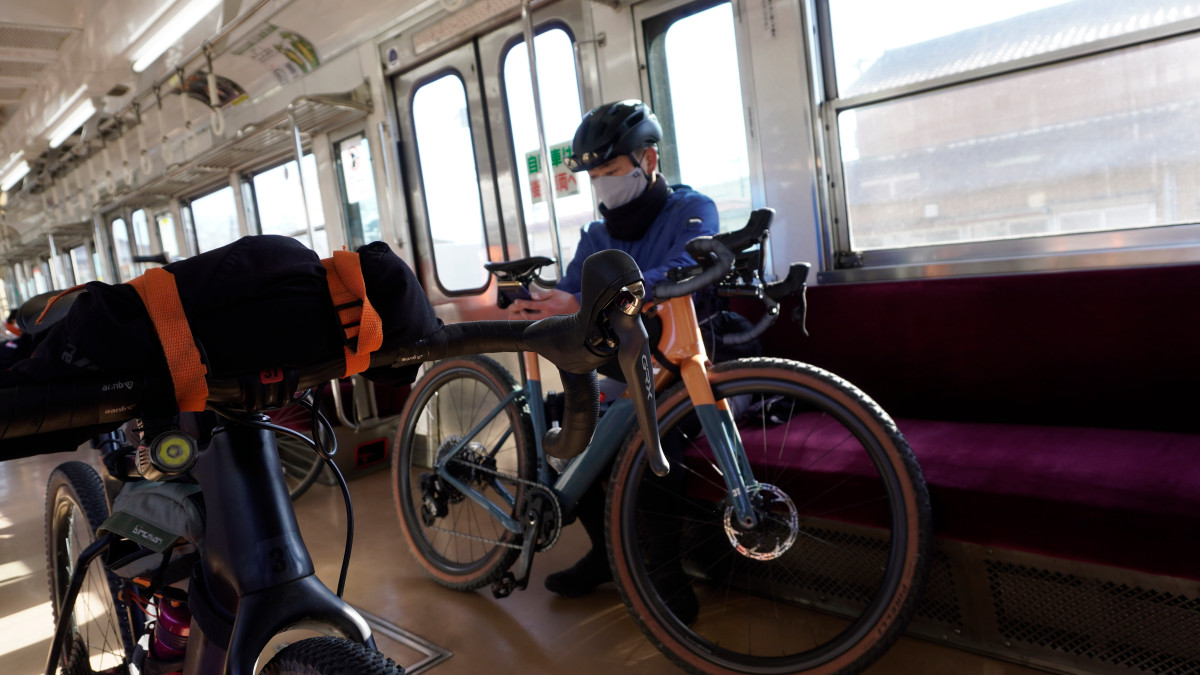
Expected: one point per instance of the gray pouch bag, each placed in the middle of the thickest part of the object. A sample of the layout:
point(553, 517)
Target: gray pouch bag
point(154, 519)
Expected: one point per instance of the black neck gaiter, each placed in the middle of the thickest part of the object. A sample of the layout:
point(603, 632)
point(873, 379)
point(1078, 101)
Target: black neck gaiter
point(629, 222)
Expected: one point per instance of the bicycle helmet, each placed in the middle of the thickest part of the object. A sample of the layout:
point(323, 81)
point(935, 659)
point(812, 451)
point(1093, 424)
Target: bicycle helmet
point(612, 130)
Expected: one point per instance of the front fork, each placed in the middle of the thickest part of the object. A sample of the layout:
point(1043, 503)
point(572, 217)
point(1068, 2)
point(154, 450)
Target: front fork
point(716, 418)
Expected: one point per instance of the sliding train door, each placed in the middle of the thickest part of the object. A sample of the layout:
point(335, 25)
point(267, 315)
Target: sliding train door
point(474, 168)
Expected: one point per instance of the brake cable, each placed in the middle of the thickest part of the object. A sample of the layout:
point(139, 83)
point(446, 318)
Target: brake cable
point(324, 444)
point(322, 431)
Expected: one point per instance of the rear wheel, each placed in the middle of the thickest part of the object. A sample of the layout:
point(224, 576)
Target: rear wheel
point(456, 540)
point(831, 573)
point(99, 637)
point(330, 656)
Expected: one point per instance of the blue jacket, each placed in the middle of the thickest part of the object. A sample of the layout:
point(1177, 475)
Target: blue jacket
point(686, 215)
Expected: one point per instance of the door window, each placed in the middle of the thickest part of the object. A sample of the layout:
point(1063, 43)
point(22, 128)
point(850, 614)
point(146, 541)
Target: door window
point(697, 95)
point(450, 182)
point(558, 84)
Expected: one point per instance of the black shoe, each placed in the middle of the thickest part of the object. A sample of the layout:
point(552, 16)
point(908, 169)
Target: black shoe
point(581, 578)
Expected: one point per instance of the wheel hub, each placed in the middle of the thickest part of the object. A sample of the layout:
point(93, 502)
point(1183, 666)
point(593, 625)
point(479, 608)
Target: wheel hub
point(778, 524)
point(466, 463)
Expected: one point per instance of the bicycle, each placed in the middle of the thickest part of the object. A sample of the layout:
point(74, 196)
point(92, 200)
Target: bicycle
point(207, 596)
point(783, 474)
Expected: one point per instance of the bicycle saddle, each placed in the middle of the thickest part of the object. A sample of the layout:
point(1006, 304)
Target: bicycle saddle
point(516, 269)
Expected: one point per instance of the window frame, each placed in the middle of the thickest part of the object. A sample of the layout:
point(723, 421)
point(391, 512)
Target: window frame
point(653, 21)
point(420, 175)
point(652, 30)
point(156, 227)
point(130, 245)
point(250, 192)
point(343, 135)
point(186, 203)
point(1153, 244)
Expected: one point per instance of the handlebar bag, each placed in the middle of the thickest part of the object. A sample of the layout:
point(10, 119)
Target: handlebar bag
point(260, 302)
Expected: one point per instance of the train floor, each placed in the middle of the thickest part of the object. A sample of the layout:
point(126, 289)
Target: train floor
point(424, 627)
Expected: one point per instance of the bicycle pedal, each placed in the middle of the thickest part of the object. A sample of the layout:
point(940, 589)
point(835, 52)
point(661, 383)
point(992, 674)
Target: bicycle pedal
point(504, 586)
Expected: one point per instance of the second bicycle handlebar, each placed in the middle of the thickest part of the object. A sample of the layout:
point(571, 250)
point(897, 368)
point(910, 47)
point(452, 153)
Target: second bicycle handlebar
point(717, 258)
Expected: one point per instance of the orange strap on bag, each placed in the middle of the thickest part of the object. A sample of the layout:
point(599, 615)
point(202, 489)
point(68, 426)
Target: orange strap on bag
point(160, 295)
point(360, 322)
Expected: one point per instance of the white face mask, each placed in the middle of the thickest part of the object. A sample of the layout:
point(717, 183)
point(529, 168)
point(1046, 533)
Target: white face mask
point(615, 191)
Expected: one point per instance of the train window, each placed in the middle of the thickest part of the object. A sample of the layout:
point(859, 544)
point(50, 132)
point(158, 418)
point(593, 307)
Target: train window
point(123, 254)
point(558, 83)
point(357, 183)
point(166, 234)
point(39, 279)
point(990, 127)
point(453, 202)
point(697, 94)
point(280, 203)
point(214, 217)
point(141, 232)
point(62, 265)
point(81, 264)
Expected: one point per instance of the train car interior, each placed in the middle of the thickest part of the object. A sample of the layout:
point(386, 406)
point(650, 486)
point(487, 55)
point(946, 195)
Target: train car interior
point(999, 201)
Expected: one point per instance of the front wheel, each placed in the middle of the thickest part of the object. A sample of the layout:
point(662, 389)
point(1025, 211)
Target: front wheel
point(330, 656)
point(457, 541)
point(830, 574)
point(100, 634)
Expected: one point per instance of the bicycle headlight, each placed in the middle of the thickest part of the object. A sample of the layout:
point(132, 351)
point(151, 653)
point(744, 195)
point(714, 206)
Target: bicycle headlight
point(172, 452)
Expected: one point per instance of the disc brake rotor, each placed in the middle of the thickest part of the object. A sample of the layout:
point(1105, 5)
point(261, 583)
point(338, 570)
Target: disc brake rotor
point(778, 524)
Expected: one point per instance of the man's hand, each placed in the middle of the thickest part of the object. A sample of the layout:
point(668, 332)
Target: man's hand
point(543, 304)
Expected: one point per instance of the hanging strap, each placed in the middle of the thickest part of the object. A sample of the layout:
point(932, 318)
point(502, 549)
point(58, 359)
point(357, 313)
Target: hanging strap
point(361, 325)
point(161, 297)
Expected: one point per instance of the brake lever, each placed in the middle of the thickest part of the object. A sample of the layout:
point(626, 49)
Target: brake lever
point(613, 292)
point(634, 357)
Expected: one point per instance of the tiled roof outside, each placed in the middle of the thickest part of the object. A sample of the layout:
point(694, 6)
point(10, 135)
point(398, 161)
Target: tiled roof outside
point(1040, 32)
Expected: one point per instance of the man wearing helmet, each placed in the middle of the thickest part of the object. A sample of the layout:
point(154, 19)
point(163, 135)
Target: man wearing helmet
point(643, 216)
point(652, 222)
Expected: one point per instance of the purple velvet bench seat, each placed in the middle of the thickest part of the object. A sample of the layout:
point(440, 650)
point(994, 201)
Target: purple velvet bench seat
point(1052, 413)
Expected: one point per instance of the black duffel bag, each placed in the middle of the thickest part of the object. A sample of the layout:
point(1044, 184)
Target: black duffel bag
point(258, 303)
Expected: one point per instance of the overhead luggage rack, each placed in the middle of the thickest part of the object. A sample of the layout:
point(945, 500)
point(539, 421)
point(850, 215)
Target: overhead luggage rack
point(265, 141)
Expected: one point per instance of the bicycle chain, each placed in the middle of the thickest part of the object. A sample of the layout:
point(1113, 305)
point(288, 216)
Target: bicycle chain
point(532, 485)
